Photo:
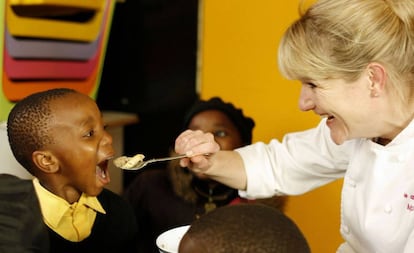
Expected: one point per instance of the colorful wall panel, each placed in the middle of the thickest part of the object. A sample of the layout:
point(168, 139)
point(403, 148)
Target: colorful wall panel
point(51, 43)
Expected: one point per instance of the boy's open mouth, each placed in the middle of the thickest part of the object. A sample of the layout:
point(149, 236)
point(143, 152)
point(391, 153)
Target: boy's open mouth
point(102, 172)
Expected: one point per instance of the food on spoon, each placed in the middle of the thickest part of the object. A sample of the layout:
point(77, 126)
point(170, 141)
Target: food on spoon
point(125, 162)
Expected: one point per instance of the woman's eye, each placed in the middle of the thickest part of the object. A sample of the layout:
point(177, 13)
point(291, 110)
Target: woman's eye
point(220, 133)
point(311, 85)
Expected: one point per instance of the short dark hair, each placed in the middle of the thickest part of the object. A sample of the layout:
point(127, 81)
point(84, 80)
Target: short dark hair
point(247, 228)
point(243, 123)
point(28, 124)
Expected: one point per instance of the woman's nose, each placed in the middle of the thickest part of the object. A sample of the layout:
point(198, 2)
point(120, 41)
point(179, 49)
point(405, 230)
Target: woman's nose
point(305, 99)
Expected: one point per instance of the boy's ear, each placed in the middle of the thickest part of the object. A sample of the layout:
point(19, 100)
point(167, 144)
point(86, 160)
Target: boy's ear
point(45, 161)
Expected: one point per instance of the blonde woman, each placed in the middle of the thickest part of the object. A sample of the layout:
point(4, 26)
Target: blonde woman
point(354, 59)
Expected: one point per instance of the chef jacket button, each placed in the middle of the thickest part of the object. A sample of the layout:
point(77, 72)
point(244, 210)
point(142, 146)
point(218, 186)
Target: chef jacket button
point(401, 158)
point(351, 183)
point(345, 229)
point(388, 209)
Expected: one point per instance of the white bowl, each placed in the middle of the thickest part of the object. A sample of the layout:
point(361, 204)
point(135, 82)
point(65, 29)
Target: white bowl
point(169, 241)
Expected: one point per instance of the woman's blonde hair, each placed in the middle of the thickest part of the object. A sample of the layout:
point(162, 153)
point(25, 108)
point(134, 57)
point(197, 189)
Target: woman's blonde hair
point(337, 39)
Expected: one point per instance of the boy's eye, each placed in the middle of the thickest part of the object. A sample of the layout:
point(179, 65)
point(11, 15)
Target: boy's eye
point(220, 133)
point(89, 134)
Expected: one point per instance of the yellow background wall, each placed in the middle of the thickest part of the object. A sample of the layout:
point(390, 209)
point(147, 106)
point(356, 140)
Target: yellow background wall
point(237, 61)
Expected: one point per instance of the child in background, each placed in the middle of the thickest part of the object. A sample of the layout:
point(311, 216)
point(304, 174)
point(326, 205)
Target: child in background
point(59, 136)
point(167, 198)
point(244, 228)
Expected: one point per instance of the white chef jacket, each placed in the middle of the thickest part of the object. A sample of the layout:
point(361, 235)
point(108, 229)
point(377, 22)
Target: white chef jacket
point(377, 204)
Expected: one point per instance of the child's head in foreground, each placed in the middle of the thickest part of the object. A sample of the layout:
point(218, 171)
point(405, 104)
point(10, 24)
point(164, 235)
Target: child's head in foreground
point(59, 136)
point(244, 228)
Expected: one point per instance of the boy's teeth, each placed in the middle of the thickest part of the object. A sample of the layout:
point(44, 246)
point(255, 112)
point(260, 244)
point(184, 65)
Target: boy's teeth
point(101, 172)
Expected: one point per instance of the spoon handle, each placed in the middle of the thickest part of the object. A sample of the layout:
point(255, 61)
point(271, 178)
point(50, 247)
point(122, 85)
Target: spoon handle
point(166, 158)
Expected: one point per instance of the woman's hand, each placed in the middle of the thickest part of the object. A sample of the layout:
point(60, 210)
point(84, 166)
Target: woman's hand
point(199, 147)
point(205, 157)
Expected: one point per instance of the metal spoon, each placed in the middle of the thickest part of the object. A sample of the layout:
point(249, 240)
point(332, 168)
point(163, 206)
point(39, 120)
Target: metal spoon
point(142, 164)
